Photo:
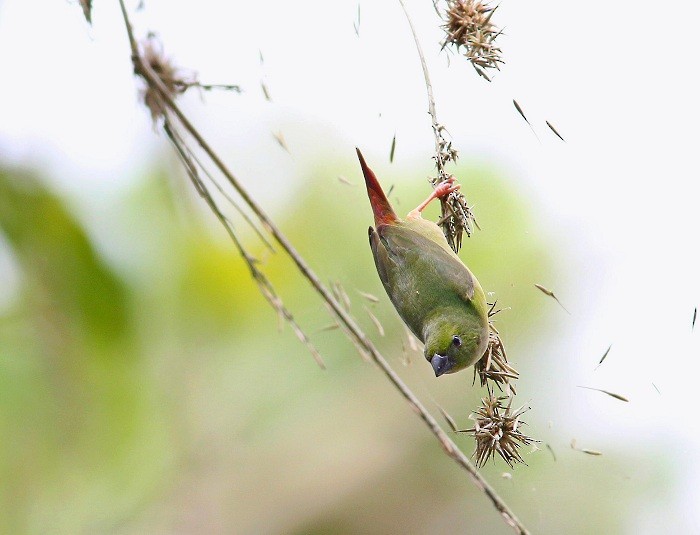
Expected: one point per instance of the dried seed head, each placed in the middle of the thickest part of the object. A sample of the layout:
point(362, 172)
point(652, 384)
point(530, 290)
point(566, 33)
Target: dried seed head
point(458, 219)
point(468, 25)
point(497, 430)
point(493, 366)
point(174, 79)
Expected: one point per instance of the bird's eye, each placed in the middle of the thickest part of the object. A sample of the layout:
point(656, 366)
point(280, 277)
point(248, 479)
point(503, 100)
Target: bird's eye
point(457, 341)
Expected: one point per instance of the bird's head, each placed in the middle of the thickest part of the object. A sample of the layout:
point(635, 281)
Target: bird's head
point(451, 346)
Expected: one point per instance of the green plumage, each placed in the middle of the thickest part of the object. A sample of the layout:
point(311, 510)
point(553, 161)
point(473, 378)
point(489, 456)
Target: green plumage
point(433, 291)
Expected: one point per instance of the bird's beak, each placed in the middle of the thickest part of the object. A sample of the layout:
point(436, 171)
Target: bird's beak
point(440, 364)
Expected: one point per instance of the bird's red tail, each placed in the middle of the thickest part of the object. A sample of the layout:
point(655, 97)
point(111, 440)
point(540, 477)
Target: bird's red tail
point(383, 212)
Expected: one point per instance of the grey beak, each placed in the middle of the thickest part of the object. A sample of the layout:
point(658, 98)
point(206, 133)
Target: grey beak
point(440, 364)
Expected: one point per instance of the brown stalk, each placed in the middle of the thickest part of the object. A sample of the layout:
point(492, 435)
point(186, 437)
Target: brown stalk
point(457, 217)
point(264, 284)
point(348, 323)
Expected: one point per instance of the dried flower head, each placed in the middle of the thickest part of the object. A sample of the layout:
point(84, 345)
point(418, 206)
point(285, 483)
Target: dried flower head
point(457, 217)
point(175, 80)
point(468, 24)
point(496, 430)
point(493, 366)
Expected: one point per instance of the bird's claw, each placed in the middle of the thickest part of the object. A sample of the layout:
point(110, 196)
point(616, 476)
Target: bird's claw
point(446, 187)
point(443, 189)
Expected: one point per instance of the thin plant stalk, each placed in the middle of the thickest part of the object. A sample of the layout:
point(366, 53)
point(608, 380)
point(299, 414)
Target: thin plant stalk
point(457, 217)
point(357, 335)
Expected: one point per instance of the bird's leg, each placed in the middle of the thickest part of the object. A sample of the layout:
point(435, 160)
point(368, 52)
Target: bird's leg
point(443, 189)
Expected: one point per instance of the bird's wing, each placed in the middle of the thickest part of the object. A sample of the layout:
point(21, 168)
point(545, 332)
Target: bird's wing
point(403, 246)
point(381, 257)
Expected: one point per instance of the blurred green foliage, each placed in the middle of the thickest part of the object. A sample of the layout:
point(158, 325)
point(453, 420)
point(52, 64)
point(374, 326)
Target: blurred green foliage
point(145, 386)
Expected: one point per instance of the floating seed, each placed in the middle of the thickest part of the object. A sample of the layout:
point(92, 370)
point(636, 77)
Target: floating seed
point(368, 296)
point(611, 394)
point(550, 293)
point(266, 92)
point(552, 452)
point(604, 355)
point(376, 322)
point(555, 131)
point(280, 140)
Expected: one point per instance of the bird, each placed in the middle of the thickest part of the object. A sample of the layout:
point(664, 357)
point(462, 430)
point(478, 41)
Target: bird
point(436, 295)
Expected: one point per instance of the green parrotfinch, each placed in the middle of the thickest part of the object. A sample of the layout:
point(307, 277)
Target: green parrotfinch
point(432, 290)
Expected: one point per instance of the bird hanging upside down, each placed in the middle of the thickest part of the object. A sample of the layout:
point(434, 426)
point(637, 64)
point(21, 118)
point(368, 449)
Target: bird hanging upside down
point(432, 290)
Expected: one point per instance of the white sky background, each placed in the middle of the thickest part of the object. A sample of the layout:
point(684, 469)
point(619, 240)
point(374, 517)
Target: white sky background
point(619, 81)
